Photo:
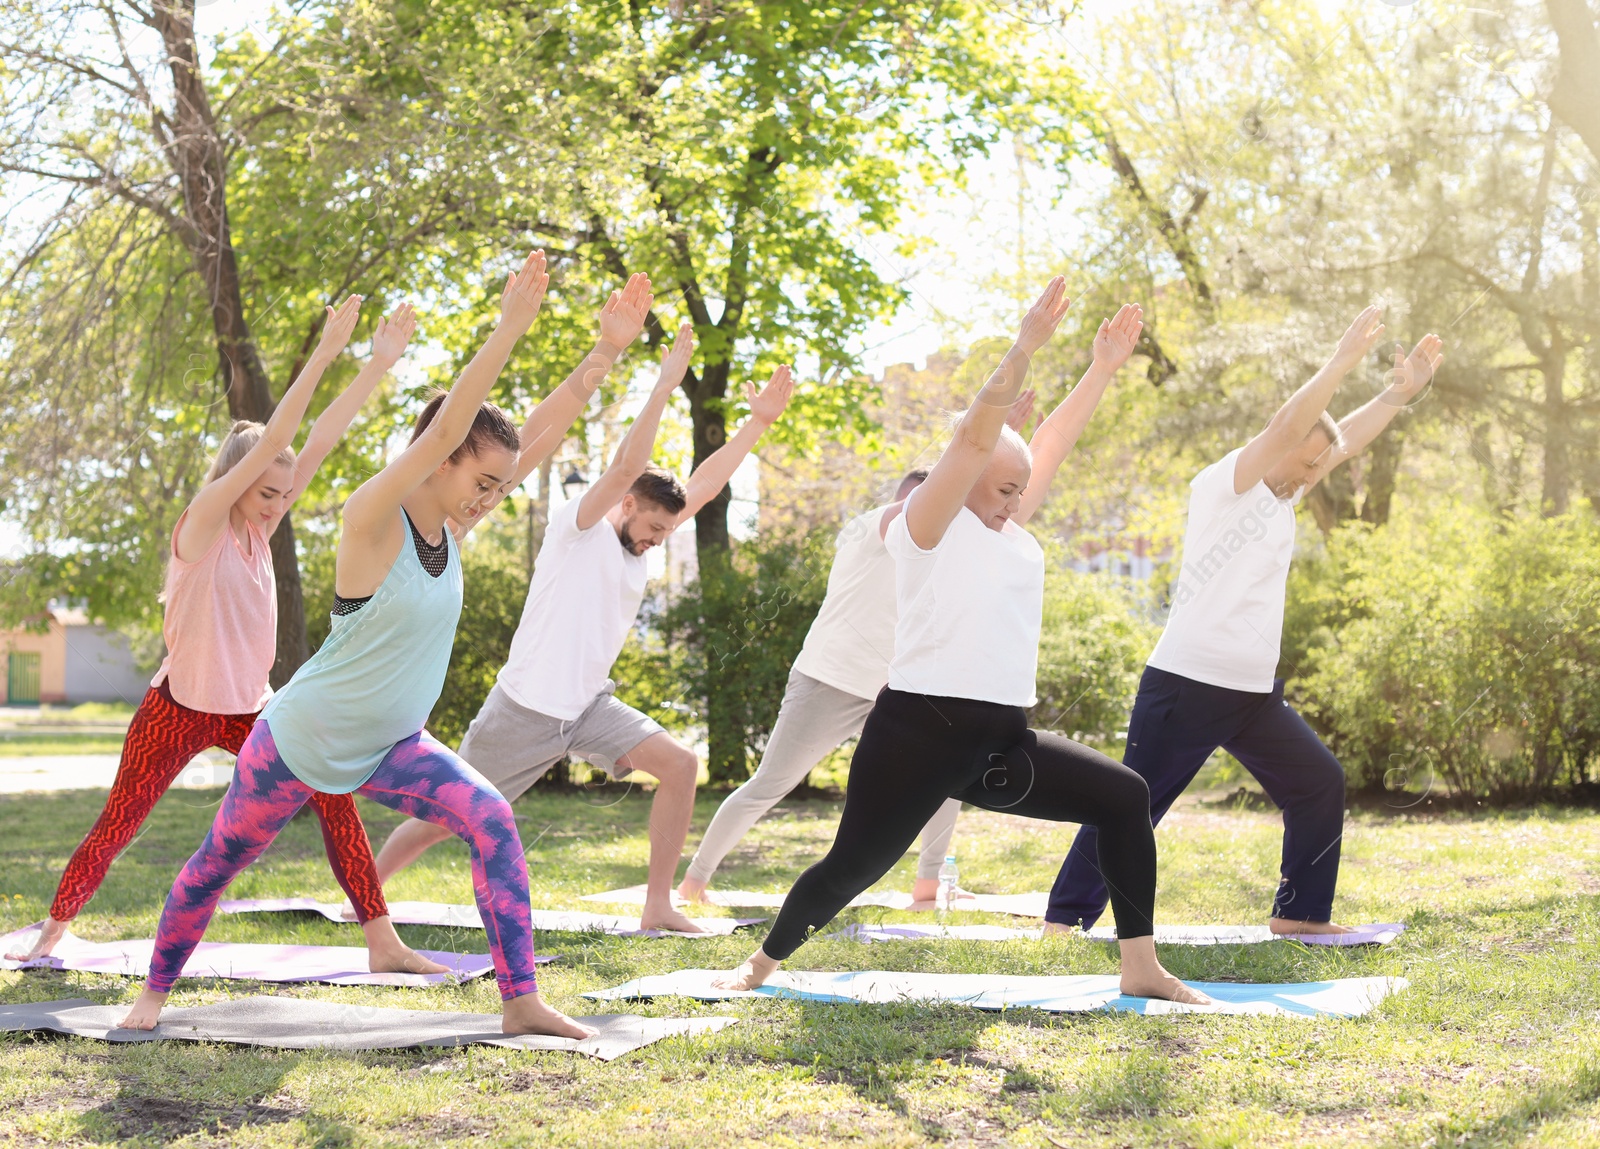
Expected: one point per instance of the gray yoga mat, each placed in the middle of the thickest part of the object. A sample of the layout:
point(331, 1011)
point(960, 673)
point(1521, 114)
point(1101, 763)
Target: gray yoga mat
point(1071, 993)
point(294, 1023)
point(245, 961)
point(467, 917)
point(1017, 905)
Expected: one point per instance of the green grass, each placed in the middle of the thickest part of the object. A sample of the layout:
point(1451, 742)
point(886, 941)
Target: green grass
point(32, 745)
point(1496, 1042)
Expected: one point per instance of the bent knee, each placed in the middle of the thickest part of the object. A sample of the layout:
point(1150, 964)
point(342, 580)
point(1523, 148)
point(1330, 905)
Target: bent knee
point(675, 765)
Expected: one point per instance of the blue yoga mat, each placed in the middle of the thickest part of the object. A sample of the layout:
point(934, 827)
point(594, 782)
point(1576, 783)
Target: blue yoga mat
point(1073, 993)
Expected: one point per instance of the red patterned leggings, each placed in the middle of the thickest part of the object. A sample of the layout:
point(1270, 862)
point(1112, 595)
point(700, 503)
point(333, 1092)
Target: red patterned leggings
point(162, 738)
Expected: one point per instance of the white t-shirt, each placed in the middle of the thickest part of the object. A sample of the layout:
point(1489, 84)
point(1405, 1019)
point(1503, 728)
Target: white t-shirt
point(970, 611)
point(852, 638)
point(585, 594)
point(1227, 611)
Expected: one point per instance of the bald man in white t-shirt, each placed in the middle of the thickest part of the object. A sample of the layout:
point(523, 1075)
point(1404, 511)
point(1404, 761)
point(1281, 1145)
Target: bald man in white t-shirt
point(1210, 680)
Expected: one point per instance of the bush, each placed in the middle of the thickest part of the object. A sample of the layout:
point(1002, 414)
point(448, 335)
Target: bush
point(1456, 647)
point(732, 635)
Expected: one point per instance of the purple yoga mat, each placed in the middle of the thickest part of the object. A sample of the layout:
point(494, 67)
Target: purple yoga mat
point(466, 917)
point(336, 965)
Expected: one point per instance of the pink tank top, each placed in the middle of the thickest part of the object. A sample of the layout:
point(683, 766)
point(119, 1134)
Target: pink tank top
point(221, 625)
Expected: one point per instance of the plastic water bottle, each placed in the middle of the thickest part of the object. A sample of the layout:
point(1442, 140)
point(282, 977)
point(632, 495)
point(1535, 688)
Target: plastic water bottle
point(948, 876)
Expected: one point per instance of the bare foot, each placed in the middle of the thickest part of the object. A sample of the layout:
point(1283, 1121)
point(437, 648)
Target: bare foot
point(50, 933)
point(1144, 976)
point(146, 1011)
point(347, 911)
point(530, 1014)
point(655, 918)
point(690, 890)
point(1162, 985)
point(755, 971)
point(1053, 928)
point(1288, 926)
point(386, 953)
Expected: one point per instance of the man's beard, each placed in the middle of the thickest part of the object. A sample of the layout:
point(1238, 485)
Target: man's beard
point(627, 540)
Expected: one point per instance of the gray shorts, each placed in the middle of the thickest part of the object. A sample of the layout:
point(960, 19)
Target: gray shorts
point(514, 747)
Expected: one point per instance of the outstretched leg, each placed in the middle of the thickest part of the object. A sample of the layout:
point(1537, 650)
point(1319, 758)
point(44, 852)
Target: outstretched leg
point(813, 720)
point(261, 799)
point(161, 740)
point(424, 779)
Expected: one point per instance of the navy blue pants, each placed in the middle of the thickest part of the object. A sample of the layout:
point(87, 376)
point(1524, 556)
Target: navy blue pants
point(1176, 725)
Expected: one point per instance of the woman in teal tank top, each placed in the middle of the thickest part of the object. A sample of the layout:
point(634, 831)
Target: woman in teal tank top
point(351, 720)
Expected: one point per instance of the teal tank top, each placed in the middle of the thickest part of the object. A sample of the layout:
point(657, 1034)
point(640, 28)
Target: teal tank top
point(376, 678)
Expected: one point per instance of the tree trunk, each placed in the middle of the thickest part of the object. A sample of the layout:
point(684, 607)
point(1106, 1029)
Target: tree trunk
point(199, 159)
point(1383, 464)
point(1557, 472)
point(724, 732)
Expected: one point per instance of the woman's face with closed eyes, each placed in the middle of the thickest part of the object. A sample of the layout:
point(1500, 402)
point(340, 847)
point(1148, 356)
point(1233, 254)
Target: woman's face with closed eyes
point(996, 498)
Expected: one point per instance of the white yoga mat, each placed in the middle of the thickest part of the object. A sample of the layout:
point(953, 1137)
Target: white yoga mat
point(292, 1023)
point(1017, 905)
point(1077, 993)
point(467, 917)
point(1366, 935)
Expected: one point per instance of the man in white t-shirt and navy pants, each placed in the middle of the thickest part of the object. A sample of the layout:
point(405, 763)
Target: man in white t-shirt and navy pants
point(554, 696)
point(1210, 680)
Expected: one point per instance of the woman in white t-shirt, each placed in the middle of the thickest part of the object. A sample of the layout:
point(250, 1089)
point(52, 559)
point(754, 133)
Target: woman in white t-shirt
point(951, 723)
point(1210, 680)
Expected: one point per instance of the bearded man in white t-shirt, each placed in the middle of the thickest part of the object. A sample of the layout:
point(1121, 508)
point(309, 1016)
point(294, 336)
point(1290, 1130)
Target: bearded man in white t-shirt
point(554, 696)
point(1210, 680)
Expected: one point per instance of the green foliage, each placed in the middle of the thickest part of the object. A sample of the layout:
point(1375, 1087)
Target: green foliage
point(1091, 652)
point(737, 629)
point(496, 587)
point(1455, 647)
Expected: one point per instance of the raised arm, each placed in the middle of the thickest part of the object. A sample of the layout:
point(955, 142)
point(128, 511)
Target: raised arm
point(765, 408)
point(621, 320)
point(375, 503)
point(388, 344)
point(1057, 435)
point(633, 453)
point(1357, 430)
point(941, 496)
point(207, 515)
point(1294, 420)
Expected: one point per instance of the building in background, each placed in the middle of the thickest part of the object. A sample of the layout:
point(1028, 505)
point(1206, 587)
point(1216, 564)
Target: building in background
point(68, 660)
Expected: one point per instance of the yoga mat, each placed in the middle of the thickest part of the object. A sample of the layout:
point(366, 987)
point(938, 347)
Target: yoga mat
point(336, 965)
point(1367, 935)
point(292, 1023)
point(466, 917)
point(1346, 997)
point(1018, 905)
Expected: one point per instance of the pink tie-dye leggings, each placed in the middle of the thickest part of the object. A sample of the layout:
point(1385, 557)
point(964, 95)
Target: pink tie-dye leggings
point(420, 777)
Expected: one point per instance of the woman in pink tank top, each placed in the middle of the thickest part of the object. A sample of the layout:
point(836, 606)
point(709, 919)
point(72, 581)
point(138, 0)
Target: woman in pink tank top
point(221, 634)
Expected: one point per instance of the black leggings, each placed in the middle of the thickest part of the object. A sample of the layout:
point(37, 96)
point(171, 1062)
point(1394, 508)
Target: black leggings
point(916, 750)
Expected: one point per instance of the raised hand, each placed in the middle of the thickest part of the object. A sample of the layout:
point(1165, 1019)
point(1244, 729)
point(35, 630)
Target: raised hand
point(1117, 337)
point(1017, 417)
point(675, 363)
point(773, 398)
point(524, 294)
point(393, 333)
point(622, 317)
point(1042, 319)
point(338, 328)
point(1359, 339)
point(1411, 373)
